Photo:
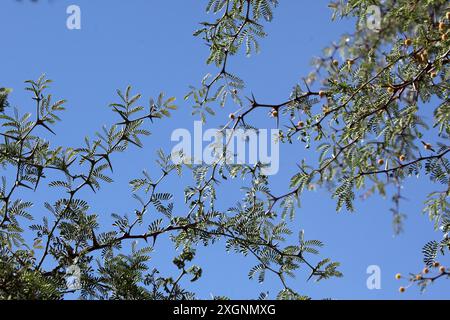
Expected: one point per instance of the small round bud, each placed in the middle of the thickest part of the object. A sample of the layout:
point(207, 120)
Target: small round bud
point(232, 116)
point(402, 289)
point(398, 276)
point(274, 113)
point(425, 270)
point(300, 124)
point(436, 264)
point(424, 56)
point(442, 269)
point(335, 63)
point(418, 58)
point(444, 37)
point(433, 74)
point(427, 146)
point(408, 42)
point(442, 26)
point(390, 90)
point(402, 157)
point(380, 162)
point(418, 277)
point(350, 62)
point(322, 93)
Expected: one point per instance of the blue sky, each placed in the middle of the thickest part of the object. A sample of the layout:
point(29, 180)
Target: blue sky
point(149, 44)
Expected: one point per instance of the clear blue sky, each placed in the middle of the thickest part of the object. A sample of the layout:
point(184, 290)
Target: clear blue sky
point(149, 44)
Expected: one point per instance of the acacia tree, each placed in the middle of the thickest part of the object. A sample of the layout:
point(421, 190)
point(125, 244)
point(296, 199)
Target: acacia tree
point(361, 109)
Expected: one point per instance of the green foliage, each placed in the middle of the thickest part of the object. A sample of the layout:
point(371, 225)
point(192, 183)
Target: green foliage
point(375, 107)
point(4, 98)
point(71, 236)
point(238, 26)
point(369, 132)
